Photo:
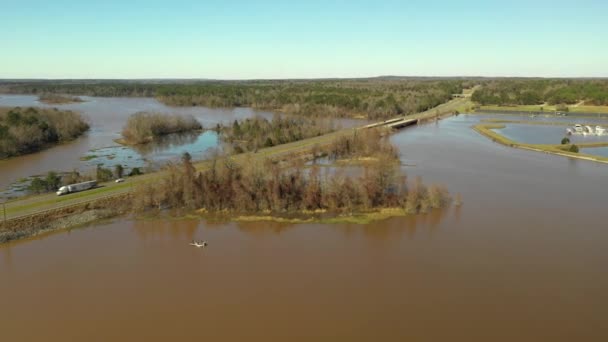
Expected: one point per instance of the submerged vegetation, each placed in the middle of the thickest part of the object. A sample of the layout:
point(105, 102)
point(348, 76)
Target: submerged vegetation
point(58, 99)
point(28, 130)
point(265, 186)
point(251, 134)
point(144, 127)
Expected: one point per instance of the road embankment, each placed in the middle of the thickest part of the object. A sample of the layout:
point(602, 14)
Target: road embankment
point(63, 218)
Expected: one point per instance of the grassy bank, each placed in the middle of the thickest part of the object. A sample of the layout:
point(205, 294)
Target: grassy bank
point(487, 129)
point(355, 218)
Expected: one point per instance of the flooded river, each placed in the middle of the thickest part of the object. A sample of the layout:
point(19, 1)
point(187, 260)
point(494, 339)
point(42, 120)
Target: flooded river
point(107, 116)
point(524, 259)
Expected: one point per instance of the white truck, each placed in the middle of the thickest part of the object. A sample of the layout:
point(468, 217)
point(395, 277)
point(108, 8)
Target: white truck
point(68, 189)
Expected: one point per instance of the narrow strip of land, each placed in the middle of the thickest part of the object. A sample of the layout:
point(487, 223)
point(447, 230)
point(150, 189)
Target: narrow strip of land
point(487, 130)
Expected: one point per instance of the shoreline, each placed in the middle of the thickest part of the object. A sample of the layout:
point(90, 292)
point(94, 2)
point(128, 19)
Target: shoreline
point(27, 210)
point(487, 131)
point(515, 111)
point(82, 216)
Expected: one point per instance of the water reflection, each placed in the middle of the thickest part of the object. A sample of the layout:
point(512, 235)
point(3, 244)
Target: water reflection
point(107, 117)
point(598, 151)
point(158, 152)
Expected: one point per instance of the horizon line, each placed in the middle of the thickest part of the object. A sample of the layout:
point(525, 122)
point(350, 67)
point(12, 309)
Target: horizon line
point(287, 79)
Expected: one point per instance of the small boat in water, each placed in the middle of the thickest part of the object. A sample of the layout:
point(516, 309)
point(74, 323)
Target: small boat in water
point(199, 244)
point(578, 128)
point(599, 130)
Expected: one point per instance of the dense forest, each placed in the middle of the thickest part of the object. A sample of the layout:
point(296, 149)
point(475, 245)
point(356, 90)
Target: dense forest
point(265, 186)
point(251, 134)
point(506, 92)
point(369, 98)
point(58, 99)
point(144, 127)
point(26, 130)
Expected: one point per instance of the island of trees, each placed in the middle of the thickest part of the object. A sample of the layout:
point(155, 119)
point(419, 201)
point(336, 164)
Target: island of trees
point(144, 127)
point(251, 134)
point(27, 130)
point(58, 99)
point(266, 186)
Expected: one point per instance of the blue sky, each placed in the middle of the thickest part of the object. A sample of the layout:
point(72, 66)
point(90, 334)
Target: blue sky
point(303, 39)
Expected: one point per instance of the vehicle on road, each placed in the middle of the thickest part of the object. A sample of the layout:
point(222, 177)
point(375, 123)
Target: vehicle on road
point(68, 189)
point(119, 180)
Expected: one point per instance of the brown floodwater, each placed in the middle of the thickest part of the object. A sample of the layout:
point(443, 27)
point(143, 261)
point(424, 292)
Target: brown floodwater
point(107, 116)
point(524, 259)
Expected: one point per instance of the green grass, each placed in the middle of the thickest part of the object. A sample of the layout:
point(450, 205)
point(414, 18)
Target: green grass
point(88, 157)
point(358, 218)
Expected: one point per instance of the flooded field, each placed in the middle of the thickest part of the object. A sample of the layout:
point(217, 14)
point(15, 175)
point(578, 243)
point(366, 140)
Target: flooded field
point(598, 151)
point(537, 134)
point(523, 259)
point(107, 117)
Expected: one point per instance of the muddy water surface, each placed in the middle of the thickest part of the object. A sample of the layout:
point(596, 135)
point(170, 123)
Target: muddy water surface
point(524, 259)
point(107, 116)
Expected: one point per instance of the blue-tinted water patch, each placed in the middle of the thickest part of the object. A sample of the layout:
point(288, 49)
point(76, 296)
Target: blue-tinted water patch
point(157, 153)
point(537, 134)
point(597, 151)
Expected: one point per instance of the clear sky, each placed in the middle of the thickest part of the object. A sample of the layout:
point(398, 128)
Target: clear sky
point(302, 39)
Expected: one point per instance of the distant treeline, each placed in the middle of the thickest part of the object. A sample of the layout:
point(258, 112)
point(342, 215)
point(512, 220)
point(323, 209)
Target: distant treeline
point(26, 130)
point(265, 186)
point(250, 134)
point(539, 91)
point(369, 98)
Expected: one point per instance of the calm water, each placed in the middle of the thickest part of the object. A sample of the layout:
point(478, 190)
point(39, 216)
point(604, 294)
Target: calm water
point(524, 259)
point(534, 134)
point(107, 116)
point(598, 151)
